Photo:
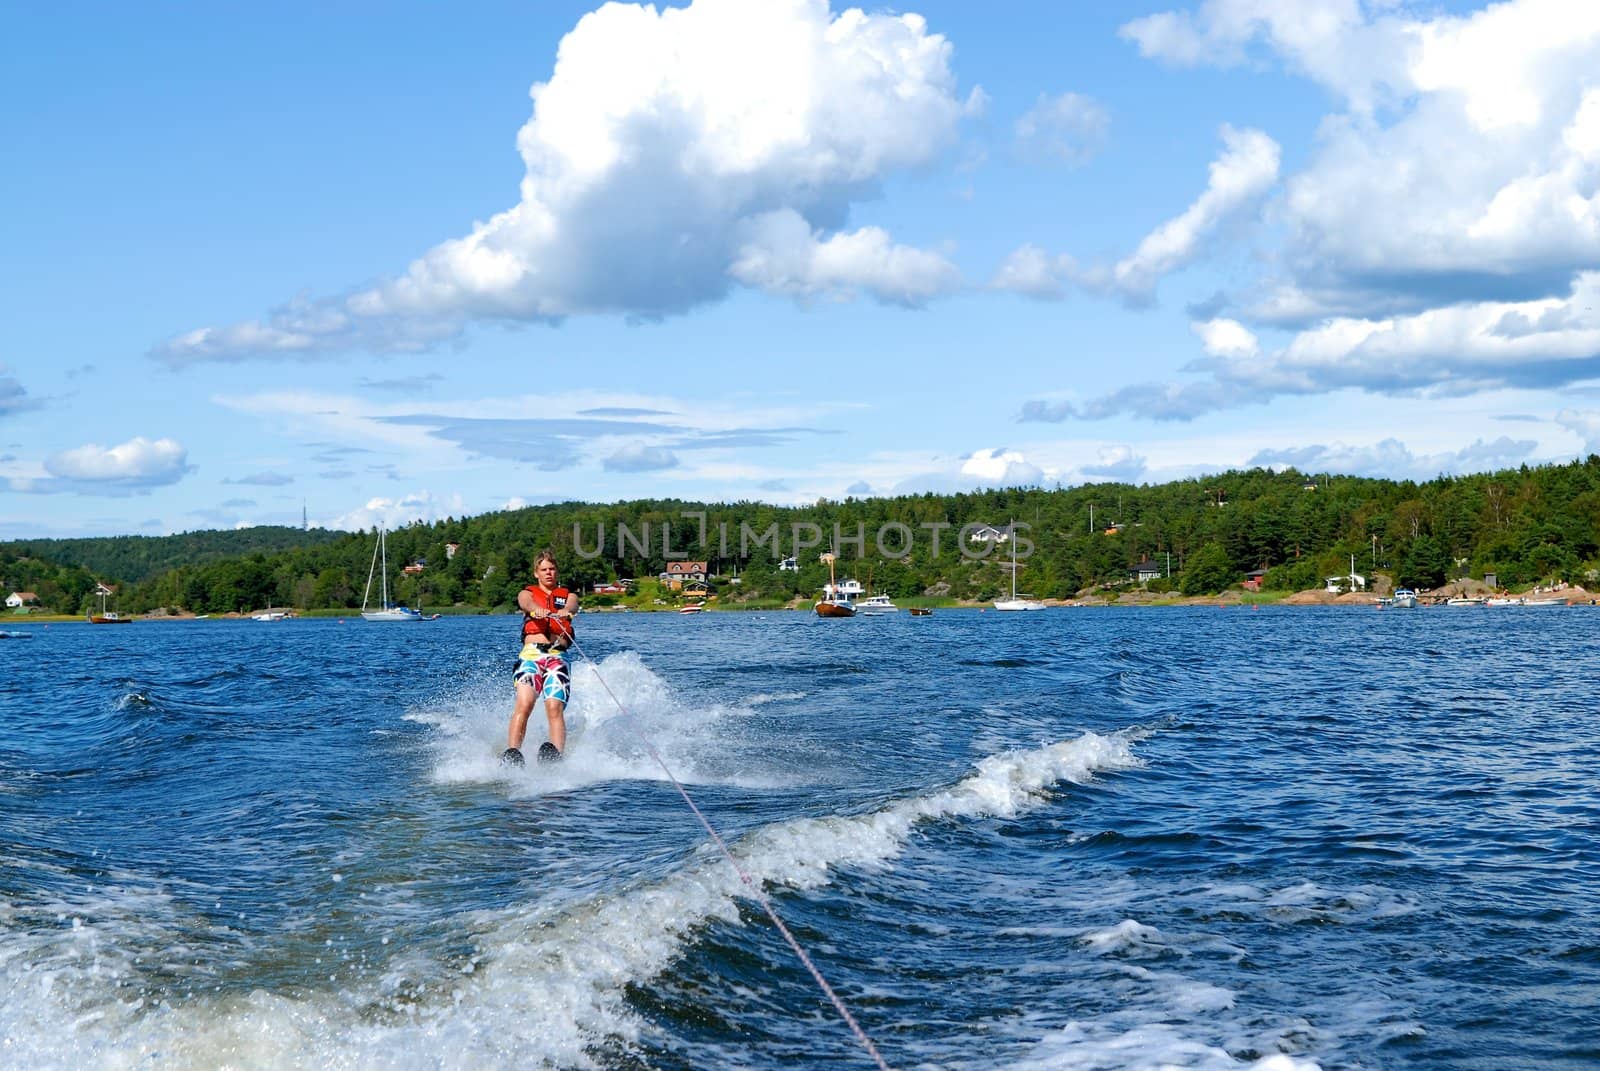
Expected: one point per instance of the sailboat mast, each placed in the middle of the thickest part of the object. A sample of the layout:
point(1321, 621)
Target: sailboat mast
point(1011, 536)
point(383, 543)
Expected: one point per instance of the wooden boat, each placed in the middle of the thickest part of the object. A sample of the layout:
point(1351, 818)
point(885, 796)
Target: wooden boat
point(833, 604)
point(107, 617)
point(918, 611)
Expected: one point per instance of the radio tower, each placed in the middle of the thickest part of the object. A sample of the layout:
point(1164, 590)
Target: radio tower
point(305, 525)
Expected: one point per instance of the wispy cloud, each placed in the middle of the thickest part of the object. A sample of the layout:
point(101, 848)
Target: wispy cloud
point(261, 479)
point(1392, 459)
point(1066, 129)
point(639, 458)
point(1239, 179)
point(14, 397)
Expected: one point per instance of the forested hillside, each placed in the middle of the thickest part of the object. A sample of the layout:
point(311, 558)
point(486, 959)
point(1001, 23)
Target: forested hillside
point(135, 558)
point(1524, 525)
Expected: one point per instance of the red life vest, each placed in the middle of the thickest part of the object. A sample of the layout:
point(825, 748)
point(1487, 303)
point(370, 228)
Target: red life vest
point(549, 602)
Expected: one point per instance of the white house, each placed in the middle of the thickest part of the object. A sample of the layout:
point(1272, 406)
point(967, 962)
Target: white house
point(988, 533)
point(849, 588)
point(18, 599)
point(788, 565)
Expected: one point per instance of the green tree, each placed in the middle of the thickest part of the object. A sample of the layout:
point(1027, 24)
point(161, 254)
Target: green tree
point(1208, 571)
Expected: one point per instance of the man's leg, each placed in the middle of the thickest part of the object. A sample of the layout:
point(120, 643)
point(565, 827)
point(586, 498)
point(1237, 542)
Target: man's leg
point(519, 715)
point(555, 712)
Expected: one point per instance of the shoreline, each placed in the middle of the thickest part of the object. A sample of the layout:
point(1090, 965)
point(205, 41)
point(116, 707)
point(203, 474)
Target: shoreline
point(1569, 594)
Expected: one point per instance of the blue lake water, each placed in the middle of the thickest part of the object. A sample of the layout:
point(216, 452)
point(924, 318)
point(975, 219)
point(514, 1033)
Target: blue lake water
point(1285, 839)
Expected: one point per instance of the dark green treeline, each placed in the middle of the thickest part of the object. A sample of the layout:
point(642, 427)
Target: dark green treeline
point(1524, 525)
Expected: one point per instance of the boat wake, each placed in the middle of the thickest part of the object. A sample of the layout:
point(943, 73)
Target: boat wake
point(547, 983)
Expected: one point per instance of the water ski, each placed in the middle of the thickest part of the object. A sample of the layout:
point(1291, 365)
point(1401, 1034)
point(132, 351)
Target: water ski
point(512, 757)
point(548, 752)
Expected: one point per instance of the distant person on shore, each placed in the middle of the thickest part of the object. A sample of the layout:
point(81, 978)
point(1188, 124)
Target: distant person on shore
point(543, 669)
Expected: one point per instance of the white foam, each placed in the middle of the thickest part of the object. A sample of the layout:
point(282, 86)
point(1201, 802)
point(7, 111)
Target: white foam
point(615, 708)
point(549, 980)
point(1146, 1047)
point(763, 698)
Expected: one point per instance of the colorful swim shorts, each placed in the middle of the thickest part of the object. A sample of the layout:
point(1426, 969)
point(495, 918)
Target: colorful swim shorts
point(545, 670)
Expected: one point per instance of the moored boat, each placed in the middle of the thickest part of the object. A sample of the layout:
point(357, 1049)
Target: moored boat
point(877, 604)
point(1016, 602)
point(833, 602)
point(387, 612)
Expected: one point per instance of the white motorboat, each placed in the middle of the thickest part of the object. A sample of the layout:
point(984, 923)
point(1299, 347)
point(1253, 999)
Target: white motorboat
point(877, 604)
point(1403, 599)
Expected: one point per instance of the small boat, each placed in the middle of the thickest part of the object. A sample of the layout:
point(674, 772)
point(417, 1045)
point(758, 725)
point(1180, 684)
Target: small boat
point(1506, 600)
point(877, 604)
point(1544, 601)
point(269, 614)
point(692, 608)
point(833, 602)
point(1467, 600)
point(1404, 599)
point(387, 612)
point(5, 635)
point(107, 617)
point(920, 611)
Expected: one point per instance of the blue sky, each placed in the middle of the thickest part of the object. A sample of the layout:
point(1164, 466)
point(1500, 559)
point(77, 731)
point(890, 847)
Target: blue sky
point(393, 262)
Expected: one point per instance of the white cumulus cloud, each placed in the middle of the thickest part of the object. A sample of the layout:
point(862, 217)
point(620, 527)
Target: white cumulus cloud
point(139, 461)
point(672, 154)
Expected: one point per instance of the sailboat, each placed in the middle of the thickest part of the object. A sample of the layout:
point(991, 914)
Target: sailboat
point(107, 617)
point(833, 602)
point(1016, 602)
point(387, 613)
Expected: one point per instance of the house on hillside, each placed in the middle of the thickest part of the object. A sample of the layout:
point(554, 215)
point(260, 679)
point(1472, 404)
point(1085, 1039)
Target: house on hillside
point(1252, 580)
point(680, 573)
point(788, 565)
point(988, 533)
point(1145, 572)
point(450, 550)
point(17, 600)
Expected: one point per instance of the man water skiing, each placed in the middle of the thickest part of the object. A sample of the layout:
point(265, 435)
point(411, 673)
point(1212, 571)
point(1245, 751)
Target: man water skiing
point(543, 670)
